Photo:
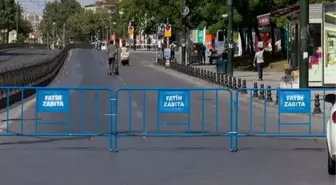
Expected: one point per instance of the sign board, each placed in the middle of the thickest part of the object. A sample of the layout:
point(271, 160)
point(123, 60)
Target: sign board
point(172, 101)
point(166, 53)
point(167, 32)
point(263, 20)
point(200, 36)
point(130, 30)
point(52, 100)
point(297, 101)
point(185, 11)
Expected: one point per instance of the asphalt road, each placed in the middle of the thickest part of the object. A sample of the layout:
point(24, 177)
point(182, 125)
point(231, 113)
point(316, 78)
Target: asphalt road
point(17, 56)
point(196, 160)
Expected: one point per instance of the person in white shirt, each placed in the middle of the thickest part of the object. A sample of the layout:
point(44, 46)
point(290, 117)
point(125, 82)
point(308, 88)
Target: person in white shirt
point(259, 62)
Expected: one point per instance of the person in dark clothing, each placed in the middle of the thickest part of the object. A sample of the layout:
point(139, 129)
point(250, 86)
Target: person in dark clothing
point(203, 53)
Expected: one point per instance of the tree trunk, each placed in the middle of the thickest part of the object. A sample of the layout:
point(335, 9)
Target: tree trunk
point(273, 38)
point(255, 26)
point(242, 40)
point(284, 46)
point(250, 41)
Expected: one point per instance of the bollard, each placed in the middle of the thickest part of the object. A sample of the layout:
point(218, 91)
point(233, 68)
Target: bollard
point(230, 82)
point(239, 85)
point(226, 81)
point(222, 79)
point(317, 108)
point(244, 91)
point(262, 92)
point(218, 79)
point(198, 72)
point(201, 74)
point(276, 98)
point(269, 94)
point(212, 77)
point(208, 75)
point(255, 90)
point(234, 83)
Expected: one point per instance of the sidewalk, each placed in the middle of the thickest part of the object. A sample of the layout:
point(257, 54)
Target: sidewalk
point(273, 79)
point(270, 78)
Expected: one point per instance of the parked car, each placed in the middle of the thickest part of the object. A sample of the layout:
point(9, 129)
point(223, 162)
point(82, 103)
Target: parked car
point(331, 134)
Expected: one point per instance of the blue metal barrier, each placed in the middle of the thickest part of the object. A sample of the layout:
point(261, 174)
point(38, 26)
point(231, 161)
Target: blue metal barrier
point(173, 103)
point(56, 100)
point(293, 105)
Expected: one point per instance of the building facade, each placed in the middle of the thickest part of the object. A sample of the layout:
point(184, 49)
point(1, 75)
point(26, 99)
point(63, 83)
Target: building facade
point(111, 4)
point(35, 20)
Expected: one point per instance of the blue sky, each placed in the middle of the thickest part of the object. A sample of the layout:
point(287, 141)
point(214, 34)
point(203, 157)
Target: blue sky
point(37, 6)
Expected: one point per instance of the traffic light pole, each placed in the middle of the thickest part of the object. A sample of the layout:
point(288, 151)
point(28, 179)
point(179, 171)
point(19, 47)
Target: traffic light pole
point(167, 37)
point(184, 35)
point(303, 65)
point(230, 37)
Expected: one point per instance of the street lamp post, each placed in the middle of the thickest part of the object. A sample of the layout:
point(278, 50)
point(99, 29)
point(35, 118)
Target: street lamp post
point(303, 65)
point(230, 37)
point(63, 35)
point(17, 19)
point(184, 36)
point(54, 36)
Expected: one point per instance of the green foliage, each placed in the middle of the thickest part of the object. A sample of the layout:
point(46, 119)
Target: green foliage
point(25, 28)
point(55, 15)
point(86, 22)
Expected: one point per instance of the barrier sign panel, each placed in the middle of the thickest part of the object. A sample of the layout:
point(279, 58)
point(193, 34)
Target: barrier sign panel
point(294, 101)
point(52, 100)
point(174, 101)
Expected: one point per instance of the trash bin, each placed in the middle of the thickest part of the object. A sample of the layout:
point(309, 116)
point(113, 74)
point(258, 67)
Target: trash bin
point(221, 66)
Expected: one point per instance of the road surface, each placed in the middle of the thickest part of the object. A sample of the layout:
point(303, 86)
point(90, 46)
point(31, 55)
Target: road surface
point(17, 56)
point(142, 161)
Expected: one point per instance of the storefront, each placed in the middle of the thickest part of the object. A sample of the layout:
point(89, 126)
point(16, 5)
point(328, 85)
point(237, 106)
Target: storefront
point(329, 44)
point(322, 55)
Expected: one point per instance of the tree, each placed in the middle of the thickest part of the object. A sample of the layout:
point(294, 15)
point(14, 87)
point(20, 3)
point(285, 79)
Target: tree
point(25, 28)
point(86, 23)
point(55, 15)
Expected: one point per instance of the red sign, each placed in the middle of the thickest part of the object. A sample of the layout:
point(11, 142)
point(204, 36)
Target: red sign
point(167, 27)
point(137, 37)
point(130, 28)
point(264, 20)
point(113, 37)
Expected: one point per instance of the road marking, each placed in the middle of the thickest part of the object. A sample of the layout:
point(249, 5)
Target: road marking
point(122, 80)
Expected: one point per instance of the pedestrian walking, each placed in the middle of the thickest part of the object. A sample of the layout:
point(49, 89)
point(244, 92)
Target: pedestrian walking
point(259, 62)
point(203, 53)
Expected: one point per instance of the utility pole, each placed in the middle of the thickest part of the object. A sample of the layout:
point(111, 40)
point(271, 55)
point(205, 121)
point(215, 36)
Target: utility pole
point(230, 37)
point(303, 64)
point(107, 39)
point(167, 37)
point(63, 36)
point(17, 19)
point(48, 40)
point(184, 36)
